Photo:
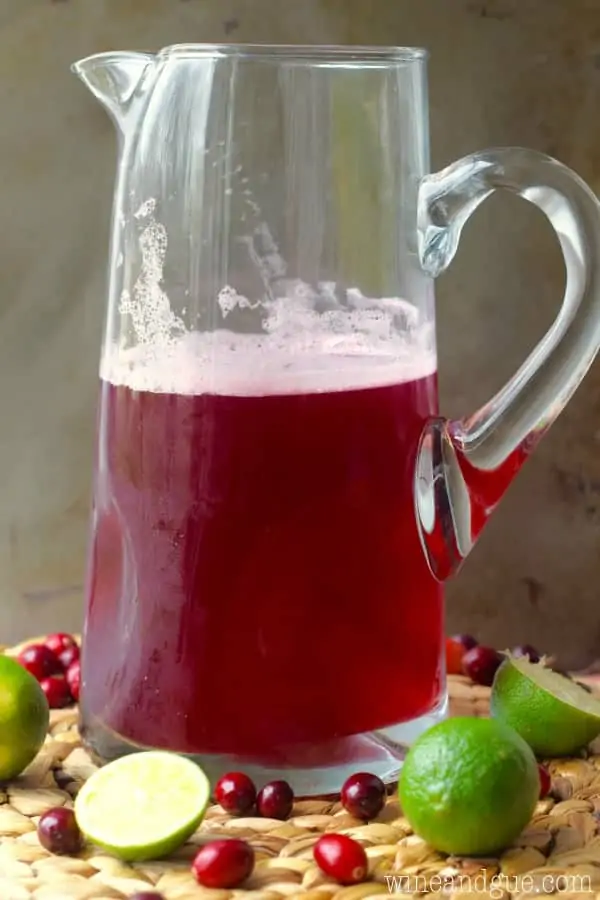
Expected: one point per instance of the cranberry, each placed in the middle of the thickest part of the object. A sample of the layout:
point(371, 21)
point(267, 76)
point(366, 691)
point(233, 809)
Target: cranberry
point(57, 691)
point(545, 781)
point(275, 800)
point(454, 657)
point(73, 678)
point(59, 642)
point(68, 656)
point(40, 661)
point(527, 650)
point(466, 640)
point(481, 664)
point(59, 832)
point(236, 793)
point(341, 857)
point(363, 795)
point(146, 895)
point(223, 863)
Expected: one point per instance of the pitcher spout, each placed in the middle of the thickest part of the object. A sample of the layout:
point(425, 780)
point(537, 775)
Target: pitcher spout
point(113, 78)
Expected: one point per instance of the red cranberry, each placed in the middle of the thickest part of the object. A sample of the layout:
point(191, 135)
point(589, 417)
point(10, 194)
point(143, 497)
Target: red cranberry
point(59, 832)
point(363, 795)
point(40, 661)
point(481, 664)
point(454, 657)
point(341, 857)
point(59, 642)
point(466, 640)
point(527, 650)
point(146, 895)
point(223, 863)
point(275, 800)
point(73, 678)
point(68, 656)
point(545, 781)
point(57, 691)
point(236, 793)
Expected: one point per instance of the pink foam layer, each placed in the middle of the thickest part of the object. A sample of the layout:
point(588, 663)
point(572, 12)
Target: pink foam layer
point(225, 363)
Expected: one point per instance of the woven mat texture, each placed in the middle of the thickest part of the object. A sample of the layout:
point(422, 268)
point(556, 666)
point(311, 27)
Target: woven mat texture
point(560, 850)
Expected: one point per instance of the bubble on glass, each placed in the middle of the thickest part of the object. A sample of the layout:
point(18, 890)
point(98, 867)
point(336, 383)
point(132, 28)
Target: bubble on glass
point(154, 322)
point(311, 337)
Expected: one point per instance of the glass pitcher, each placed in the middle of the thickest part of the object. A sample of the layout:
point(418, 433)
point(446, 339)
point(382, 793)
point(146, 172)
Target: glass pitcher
point(277, 500)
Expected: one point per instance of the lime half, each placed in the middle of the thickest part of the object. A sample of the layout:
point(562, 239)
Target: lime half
point(143, 806)
point(555, 715)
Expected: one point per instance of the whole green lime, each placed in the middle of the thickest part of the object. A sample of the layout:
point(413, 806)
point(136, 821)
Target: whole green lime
point(469, 786)
point(555, 715)
point(24, 718)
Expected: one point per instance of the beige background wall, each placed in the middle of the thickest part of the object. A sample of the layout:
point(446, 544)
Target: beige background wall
point(502, 71)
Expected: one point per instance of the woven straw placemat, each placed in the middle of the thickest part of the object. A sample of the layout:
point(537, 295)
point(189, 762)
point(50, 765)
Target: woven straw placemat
point(560, 849)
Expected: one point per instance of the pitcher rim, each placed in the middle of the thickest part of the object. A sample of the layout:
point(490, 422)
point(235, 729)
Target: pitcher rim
point(300, 52)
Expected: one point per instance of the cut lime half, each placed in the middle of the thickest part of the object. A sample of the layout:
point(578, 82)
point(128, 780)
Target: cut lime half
point(555, 715)
point(143, 806)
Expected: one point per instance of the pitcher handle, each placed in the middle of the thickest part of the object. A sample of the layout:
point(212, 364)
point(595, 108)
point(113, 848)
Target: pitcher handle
point(464, 466)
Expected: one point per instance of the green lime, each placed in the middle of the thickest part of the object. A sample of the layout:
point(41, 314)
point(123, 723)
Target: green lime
point(469, 786)
point(143, 806)
point(24, 718)
point(555, 715)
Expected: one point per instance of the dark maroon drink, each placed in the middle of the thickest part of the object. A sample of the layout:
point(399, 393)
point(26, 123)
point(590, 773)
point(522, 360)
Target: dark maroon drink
point(257, 582)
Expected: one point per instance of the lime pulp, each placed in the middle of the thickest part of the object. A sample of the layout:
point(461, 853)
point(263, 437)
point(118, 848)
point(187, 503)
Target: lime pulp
point(143, 806)
point(554, 714)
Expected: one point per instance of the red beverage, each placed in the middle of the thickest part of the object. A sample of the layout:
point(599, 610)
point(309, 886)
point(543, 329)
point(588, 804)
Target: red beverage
point(256, 580)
